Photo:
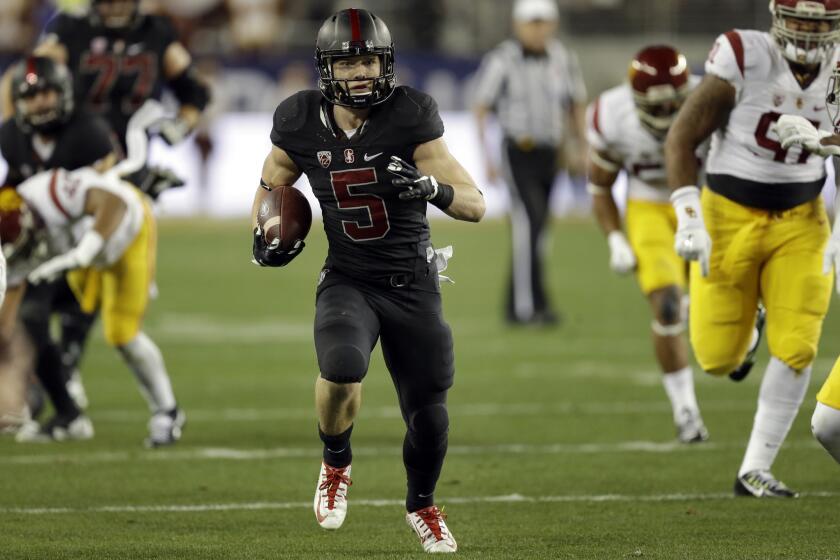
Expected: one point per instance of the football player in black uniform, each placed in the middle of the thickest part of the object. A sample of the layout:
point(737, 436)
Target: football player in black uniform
point(45, 133)
point(374, 156)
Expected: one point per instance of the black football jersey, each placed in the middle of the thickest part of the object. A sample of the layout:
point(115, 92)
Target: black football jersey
point(372, 234)
point(82, 141)
point(115, 71)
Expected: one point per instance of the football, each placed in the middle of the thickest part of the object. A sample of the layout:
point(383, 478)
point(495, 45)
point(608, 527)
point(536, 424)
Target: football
point(284, 214)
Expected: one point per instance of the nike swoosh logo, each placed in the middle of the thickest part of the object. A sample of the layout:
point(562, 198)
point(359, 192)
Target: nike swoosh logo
point(374, 156)
point(318, 515)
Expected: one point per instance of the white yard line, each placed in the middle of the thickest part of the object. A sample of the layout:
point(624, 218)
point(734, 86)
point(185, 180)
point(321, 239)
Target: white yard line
point(465, 500)
point(256, 454)
point(456, 410)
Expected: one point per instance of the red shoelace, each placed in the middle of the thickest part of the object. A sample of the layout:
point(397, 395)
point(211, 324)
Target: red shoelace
point(333, 479)
point(432, 517)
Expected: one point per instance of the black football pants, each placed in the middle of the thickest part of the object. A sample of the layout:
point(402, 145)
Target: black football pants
point(418, 349)
point(530, 175)
point(54, 365)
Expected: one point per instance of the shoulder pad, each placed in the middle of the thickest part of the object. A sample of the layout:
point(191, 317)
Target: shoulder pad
point(292, 112)
point(411, 107)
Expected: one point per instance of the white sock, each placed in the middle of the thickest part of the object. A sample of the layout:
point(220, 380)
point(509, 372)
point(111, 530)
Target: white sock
point(782, 391)
point(144, 358)
point(825, 424)
point(680, 388)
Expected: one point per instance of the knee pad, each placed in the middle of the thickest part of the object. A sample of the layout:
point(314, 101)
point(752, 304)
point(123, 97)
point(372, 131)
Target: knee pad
point(429, 426)
point(670, 309)
point(343, 363)
point(825, 425)
point(670, 319)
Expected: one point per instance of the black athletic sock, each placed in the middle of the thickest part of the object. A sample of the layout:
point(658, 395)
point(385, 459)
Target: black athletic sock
point(337, 451)
point(423, 463)
point(48, 369)
point(75, 327)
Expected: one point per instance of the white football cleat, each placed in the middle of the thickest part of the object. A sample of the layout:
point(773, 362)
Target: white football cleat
point(690, 427)
point(429, 525)
point(57, 429)
point(165, 428)
point(331, 496)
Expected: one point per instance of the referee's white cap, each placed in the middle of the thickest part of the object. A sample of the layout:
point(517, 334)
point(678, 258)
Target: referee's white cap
point(530, 10)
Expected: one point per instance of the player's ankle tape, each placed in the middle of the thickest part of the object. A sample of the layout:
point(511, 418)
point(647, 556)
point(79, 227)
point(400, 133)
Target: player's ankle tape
point(445, 195)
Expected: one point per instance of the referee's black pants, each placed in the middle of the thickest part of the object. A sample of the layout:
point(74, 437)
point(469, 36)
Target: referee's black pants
point(530, 175)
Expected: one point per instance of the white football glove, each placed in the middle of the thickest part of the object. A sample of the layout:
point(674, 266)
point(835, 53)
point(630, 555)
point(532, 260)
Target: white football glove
point(622, 259)
point(794, 130)
point(80, 256)
point(692, 241)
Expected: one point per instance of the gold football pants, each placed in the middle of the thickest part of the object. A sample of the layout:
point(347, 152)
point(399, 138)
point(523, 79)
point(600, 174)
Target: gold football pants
point(774, 256)
point(121, 291)
point(650, 230)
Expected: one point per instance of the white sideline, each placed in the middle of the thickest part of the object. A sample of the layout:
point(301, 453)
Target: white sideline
point(223, 453)
point(503, 499)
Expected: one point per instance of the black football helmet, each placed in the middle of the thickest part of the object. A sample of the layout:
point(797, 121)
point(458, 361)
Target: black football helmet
point(35, 74)
point(126, 16)
point(349, 33)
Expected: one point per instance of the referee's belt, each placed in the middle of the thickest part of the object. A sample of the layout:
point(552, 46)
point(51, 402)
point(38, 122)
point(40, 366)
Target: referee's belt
point(528, 144)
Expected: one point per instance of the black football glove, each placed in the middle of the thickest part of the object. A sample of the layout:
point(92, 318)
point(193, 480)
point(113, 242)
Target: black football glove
point(416, 186)
point(271, 254)
point(419, 187)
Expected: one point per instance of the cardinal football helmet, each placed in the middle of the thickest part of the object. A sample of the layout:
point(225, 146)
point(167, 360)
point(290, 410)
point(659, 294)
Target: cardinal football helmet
point(659, 77)
point(17, 225)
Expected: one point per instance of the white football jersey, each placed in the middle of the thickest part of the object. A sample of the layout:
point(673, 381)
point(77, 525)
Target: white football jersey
point(58, 198)
point(766, 89)
point(614, 128)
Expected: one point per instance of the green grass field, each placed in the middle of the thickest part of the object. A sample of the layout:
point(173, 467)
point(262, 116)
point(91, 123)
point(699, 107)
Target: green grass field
point(561, 443)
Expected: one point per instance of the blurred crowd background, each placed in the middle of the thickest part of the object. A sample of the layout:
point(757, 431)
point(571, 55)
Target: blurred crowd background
point(255, 53)
point(265, 46)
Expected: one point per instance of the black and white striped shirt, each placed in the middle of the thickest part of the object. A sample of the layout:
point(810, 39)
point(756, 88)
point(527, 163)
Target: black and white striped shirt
point(530, 94)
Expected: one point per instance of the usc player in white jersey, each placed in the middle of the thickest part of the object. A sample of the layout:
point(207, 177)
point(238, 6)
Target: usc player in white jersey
point(626, 128)
point(794, 130)
point(759, 229)
point(101, 232)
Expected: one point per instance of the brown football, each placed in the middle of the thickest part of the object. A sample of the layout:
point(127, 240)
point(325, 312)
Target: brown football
point(285, 214)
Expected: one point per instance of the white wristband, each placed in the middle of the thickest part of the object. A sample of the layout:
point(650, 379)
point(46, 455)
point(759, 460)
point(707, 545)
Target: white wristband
point(89, 246)
point(686, 201)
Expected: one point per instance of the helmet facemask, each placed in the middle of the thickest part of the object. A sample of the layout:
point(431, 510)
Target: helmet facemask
point(114, 14)
point(807, 47)
point(832, 98)
point(340, 92)
point(658, 107)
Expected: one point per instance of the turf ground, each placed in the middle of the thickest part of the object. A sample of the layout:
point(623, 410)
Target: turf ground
point(561, 443)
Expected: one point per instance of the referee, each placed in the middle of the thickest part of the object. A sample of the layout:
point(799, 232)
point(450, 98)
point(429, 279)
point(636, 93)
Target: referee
point(534, 87)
